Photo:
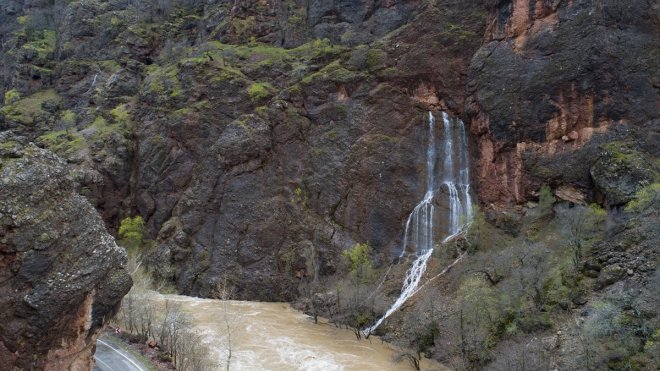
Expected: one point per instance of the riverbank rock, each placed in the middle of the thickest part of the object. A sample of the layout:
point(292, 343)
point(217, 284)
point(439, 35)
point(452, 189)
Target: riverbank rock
point(61, 275)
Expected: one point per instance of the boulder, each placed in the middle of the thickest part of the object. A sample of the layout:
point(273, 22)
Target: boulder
point(62, 275)
point(620, 172)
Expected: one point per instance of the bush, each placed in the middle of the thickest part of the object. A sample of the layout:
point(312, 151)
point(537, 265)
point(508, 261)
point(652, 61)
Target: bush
point(645, 198)
point(546, 199)
point(11, 96)
point(259, 91)
point(132, 231)
point(358, 256)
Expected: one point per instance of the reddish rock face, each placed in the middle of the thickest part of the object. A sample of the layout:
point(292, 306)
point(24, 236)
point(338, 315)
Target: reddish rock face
point(550, 77)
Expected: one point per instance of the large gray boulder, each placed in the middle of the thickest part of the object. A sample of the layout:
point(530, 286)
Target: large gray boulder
point(62, 275)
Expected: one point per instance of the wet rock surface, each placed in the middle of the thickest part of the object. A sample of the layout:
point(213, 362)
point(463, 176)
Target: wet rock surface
point(61, 273)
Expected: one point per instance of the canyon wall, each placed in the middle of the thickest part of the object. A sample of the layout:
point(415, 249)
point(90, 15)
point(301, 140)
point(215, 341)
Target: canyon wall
point(248, 133)
point(552, 82)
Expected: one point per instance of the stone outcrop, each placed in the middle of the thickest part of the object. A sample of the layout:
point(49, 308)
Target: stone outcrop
point(552, 76)
point(61, 273)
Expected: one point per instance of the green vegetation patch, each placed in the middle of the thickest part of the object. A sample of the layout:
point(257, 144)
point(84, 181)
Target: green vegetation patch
point(260, 90)
point(255, 54)
point(121, 115)
point(332, 72)
point(458, 32)
point(43, 42)
point(104, 130)
point(622, 152)
point(25, 110)
point(62, 142)
point(163, 80)
point(226, 73)
point(68, 118)
point(109, 65)
point(11, 96)
point(645, 199)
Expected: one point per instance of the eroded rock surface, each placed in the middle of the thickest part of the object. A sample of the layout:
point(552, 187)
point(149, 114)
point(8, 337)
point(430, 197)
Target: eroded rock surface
point(61, 274)
point(551, 76)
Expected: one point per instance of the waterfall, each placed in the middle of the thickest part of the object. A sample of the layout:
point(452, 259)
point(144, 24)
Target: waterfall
point(418, 232)
point(94, 79)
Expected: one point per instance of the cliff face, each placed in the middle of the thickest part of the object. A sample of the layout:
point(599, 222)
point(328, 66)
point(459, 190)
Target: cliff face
point(61, 274)
point(246, 132)
point(248, 156)
point(553, 80)
point(239, 153)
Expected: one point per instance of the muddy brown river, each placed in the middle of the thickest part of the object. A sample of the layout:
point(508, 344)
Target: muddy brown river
point(273, 336)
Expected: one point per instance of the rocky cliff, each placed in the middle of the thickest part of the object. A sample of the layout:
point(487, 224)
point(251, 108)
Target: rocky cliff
point(552, 82)
point(61, 274)
point(243, 132)
point(247, 132)
point(250, 134)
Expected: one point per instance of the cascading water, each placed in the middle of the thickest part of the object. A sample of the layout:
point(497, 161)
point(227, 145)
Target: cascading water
point(419, 226)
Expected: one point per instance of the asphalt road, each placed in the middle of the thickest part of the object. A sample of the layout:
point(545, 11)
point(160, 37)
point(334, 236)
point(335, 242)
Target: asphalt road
point(110, 358)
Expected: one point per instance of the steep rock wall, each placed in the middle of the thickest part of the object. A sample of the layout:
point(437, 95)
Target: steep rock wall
point(550, 76)
point(244, 140)
point(239, 186)
point(61, 274)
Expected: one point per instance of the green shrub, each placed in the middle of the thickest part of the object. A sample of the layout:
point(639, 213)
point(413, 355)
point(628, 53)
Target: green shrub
point(120, 114)
point(358, 256)
point(546, 198)
point(645, 198)
point(11, 96)
point(68, 118)
point(132, 232)
point(260, 90)
point(61, 142)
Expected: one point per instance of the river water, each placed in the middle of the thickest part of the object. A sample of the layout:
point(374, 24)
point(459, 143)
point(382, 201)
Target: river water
point(273, 336)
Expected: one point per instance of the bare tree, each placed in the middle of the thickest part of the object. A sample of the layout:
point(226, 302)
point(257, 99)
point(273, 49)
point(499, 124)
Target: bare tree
point(531, 273)
point(525, 354)
point(582, 223)
point(230, 320)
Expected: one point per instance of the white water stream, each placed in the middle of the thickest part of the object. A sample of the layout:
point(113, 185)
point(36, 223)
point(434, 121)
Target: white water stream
point(418, 236)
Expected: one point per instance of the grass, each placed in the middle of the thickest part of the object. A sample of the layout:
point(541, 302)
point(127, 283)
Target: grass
point(333, 72)
point(260, 90)
point(25, 110)
point(62, 142)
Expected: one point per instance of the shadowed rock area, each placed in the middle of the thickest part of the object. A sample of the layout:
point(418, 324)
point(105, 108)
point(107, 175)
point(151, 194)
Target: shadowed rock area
point(61, 274)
